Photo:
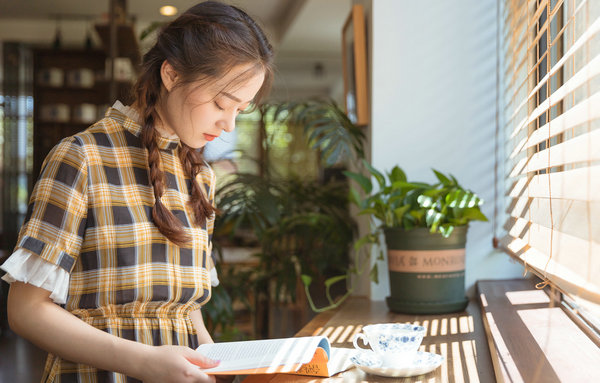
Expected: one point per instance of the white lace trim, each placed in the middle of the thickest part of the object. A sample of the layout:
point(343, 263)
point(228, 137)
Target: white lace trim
point(27, 267)
point(127, 110)
point(214, 278)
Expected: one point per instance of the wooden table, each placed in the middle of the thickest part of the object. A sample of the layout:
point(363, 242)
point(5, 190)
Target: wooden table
point(459, 337)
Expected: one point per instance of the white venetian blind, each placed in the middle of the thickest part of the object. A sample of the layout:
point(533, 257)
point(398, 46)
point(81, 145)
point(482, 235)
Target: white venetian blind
point(552, 134)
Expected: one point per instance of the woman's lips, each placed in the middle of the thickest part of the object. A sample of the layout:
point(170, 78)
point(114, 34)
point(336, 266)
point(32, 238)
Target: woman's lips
point(209, 137)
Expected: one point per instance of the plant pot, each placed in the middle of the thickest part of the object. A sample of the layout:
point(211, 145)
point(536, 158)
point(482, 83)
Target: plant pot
point(427, 271)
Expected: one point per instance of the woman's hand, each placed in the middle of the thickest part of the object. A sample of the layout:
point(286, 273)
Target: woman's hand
point(176, 364)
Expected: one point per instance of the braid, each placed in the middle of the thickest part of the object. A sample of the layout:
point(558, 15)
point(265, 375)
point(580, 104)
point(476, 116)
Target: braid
point(166, 222)
point(192, 164)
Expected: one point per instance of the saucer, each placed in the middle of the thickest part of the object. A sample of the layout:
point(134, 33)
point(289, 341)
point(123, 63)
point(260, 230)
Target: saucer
point(423, 363)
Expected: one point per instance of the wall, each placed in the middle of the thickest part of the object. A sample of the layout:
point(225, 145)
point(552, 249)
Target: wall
point(433, 105)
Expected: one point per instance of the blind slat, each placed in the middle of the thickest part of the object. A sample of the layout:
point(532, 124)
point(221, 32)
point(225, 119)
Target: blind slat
point(580, 219)
point(581, 184)
point(569, 251)
point(585, 110)
point(591, 31)
point(563, 277)
point(577, 149)
point(583, 39)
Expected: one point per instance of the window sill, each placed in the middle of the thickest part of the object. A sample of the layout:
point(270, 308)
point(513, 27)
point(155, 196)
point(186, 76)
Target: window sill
point(531, 339)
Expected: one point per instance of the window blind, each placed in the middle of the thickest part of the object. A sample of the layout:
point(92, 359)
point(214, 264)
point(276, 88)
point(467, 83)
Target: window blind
point(551, 109)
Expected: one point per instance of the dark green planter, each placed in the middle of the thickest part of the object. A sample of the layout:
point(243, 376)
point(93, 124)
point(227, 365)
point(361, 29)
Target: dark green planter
point(427, 271)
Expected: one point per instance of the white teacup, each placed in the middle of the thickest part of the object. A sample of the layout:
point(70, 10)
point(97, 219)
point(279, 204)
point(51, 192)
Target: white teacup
point(394, 343)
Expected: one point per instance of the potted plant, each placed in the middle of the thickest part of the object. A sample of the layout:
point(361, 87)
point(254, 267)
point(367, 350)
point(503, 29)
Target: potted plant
point(425, 227)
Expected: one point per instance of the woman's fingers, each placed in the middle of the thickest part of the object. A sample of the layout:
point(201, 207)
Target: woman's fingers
point(200, 360)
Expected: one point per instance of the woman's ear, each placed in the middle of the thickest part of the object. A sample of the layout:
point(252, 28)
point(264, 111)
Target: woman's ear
point(168, 75)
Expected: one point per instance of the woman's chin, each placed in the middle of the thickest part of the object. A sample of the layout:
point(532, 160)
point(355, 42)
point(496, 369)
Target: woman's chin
point(195, 144)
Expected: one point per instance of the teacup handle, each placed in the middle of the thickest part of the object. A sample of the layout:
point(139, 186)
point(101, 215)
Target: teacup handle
point(364, 339)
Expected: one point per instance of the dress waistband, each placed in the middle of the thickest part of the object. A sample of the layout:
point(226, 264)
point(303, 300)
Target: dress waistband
point(150, 310)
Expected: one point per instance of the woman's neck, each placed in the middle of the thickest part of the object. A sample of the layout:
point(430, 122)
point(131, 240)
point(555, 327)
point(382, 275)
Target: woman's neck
point(161, 128)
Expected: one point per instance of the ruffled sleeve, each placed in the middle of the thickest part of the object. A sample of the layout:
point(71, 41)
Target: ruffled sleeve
point(214, 277)
point(24, 266)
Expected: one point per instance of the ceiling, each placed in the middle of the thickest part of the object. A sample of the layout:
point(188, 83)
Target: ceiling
point(305, 33)
point(269, 12)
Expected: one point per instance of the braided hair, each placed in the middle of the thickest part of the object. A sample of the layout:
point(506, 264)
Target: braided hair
point(201, 45)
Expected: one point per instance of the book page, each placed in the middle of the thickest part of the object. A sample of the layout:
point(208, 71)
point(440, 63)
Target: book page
point(340, 360)
point(273, 354)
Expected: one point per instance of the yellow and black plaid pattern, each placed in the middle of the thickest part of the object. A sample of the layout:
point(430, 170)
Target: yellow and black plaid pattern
point(91, 214)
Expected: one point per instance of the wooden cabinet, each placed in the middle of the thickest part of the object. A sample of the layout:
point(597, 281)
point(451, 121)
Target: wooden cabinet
point(70, 93)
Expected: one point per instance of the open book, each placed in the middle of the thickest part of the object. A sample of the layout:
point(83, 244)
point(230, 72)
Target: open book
point(311, 355)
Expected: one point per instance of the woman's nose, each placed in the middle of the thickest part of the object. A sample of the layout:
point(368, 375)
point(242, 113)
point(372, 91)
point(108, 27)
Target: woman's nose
point(228, 124)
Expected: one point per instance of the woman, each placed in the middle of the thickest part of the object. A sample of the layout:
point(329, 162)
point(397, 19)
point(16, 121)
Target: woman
point(120, 221)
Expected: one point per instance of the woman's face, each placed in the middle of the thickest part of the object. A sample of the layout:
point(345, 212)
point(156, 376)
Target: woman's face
point(199, 113)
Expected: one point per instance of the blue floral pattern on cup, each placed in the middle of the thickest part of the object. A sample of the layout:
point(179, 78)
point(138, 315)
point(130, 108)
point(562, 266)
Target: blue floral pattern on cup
point(392, 337)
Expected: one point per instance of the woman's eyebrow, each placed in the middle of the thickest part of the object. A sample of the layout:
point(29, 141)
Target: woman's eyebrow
point(231, 96)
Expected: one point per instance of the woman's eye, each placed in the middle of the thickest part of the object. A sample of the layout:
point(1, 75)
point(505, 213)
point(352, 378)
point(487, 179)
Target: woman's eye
point(218, 106)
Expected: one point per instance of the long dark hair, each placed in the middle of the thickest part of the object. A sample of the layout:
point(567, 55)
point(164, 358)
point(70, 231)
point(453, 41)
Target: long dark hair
point(202, 44)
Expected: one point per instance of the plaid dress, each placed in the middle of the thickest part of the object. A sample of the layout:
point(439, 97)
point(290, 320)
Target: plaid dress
point(91, 214)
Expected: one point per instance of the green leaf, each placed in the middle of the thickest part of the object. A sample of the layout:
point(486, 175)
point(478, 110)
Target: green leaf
point(354, 197)
point(399, 212)
point(364, 182)
point(369, 238)
point(333, 280)
point(455, 181)
point(374, 275)
point(333, 153)
point(425, 201)
point(473, 213)
point(417, 214)
point(368, 211)
point(458, 221)
point(393, 199)
point(462, 199)
point(434, 193)
point(306, 279)
point(408, 186)
point(314, 136)
point(375, 173)
point(443, 179)
point(397, 174)
point(446, 229)
point(433, 219)
point(389, 218)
